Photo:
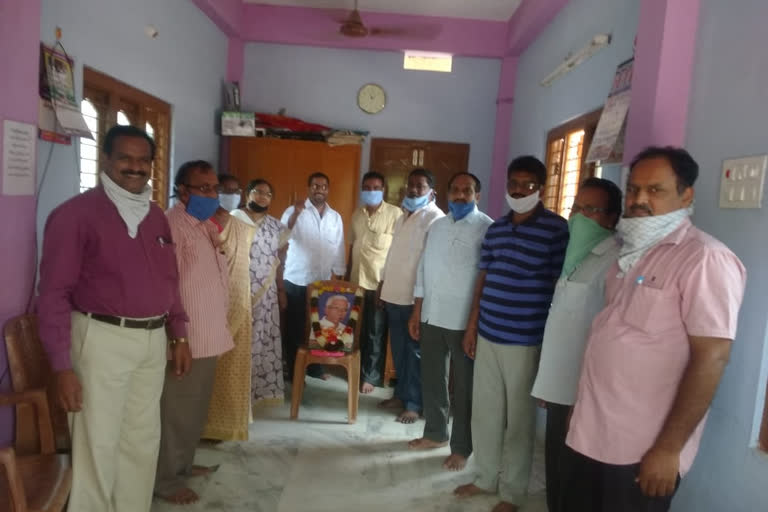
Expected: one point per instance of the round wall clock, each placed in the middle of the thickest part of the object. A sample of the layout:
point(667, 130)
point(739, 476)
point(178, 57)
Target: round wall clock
point(371, 98)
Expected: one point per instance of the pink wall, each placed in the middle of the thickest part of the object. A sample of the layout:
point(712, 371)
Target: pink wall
point(227, 14)
point(663, 71)
point(19, 54)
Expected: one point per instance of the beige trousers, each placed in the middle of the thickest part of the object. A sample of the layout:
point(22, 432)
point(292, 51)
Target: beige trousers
point(504, 417)
point(116, 435)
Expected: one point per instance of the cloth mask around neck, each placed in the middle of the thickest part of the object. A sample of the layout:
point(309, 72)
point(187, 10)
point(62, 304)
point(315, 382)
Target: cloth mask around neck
point(639, 234)
point(585, 234)
point(372, 197)
point(202, 207)
point(229, 201)
point(414, 203)
point(461, 210)
point(256, 207)
point(132, 208)
point(523, 204)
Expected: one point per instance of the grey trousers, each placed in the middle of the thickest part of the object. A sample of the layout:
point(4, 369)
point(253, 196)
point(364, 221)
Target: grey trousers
point(437, 345)
point(504, 417)
point(183, 414)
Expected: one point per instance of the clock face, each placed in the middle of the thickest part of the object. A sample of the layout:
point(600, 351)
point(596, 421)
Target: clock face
point(371, 98)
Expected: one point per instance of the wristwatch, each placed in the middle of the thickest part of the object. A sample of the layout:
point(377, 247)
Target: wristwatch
point(178, 340)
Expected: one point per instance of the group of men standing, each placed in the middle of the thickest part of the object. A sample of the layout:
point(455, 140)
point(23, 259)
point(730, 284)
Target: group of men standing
point(623, 339)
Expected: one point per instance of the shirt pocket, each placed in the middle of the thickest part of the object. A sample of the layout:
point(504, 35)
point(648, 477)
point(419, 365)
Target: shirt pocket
point(572, 296)
point(381, 241)
point(653, 310)
point(463, 253)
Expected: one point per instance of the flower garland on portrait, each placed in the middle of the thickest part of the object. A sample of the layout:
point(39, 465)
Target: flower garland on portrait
point(331, 339)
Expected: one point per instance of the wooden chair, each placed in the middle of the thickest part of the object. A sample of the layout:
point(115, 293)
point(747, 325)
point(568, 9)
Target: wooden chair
point(30, 369)
point(34, 483)
point(389, 365)
point(350, 360)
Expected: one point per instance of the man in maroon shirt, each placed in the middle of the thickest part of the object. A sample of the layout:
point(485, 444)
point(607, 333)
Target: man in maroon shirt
point(109, 304)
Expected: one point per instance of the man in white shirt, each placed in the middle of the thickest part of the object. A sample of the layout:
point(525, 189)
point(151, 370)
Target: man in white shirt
point(315, 253)
point(443, 297)
point(579, 296)
point(396, 290)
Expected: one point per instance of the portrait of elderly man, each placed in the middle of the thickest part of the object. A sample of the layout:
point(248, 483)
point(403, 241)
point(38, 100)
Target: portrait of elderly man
point(332, 326)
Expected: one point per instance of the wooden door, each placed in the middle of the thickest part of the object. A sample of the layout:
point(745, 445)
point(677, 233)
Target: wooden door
point(396, 158)
point(287, 164)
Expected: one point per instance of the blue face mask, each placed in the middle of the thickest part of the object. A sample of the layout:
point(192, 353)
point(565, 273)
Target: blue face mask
point(461, 210)
point(414, 203)
point(372, 197)
point(201, 207)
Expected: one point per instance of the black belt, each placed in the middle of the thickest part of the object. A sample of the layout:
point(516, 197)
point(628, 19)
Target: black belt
point(130, 323)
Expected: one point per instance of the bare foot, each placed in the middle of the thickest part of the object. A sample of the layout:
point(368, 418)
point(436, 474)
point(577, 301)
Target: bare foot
point(366, 388)
point(468, 491)
point(184, 496)
point(504, 506)
point(408, 417)
point(391, 403)
point(203, 470)
point(455, 462)
point(423, 443)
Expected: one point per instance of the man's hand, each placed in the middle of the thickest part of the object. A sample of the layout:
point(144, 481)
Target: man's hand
point(182, 359)
point(658, 472)
point(298, 206)
point(414, 325)
point(69, 391)
point(282, 300)
point(379, 302)
point(469, 343)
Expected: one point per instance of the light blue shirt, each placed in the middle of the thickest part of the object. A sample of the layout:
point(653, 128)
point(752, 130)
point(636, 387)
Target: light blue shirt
point(448, 269)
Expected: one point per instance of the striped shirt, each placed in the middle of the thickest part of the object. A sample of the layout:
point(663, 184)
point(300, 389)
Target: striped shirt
point(203, 282)
point(522, 263)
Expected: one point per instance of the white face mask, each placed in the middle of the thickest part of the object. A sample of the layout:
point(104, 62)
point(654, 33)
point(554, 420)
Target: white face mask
point(523, 204)
point(229, 201)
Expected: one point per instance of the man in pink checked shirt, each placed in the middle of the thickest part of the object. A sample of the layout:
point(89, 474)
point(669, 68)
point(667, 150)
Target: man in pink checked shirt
point(658, 349)
point(109, 303)
point(204, 286)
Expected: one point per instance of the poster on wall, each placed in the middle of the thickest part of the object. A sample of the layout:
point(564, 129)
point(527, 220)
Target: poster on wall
point(18, 158)
point(57, 90)
point(608, 141)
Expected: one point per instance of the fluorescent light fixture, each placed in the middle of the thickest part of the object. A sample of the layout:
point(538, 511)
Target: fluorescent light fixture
point(574, 59)
point(428, 61)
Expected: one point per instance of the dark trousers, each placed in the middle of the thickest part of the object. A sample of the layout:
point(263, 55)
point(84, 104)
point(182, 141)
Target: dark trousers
point(439, 347)
point(406, 355)
point(296, 327)
point(554, 452)
point(373, 332)
point(594, 486)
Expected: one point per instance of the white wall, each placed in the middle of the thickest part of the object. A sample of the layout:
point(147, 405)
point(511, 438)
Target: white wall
point(320, 85)
point(183, 66)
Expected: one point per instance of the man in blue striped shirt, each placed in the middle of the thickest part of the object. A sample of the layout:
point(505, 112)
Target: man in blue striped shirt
point(521, 259)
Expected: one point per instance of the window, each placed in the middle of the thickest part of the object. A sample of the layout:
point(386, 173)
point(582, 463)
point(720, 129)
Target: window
point(107, 102)
point(567, 147)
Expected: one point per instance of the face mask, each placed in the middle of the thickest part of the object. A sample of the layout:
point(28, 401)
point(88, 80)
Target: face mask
point(201, 207)
point(523, 204)
point(372, 197)
point(414, 203)
point(585, 234)
point(256, 207)
point(639, 234)
point(461, 210)
point(229, 201)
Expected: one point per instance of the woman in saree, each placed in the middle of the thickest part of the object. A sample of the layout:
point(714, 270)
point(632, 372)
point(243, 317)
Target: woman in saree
point(267, 254)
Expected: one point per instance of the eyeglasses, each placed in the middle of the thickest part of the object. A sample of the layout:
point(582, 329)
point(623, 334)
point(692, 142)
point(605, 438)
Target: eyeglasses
point(587, 209)
point(528, 186)
point(261, 193)
point(205, 189)
point(319, 186)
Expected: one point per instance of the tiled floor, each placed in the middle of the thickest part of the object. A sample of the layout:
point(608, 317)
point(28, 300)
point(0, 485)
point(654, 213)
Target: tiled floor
point(321, 464)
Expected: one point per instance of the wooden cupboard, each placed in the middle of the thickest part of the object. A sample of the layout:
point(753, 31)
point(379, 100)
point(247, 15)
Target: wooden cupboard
point(287, 164)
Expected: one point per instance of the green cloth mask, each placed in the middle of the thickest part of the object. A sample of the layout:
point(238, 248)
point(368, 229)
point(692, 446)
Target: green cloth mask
point(585, 234)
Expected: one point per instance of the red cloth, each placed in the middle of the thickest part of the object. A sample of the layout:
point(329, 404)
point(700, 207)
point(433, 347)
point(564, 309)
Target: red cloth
point(289, 123)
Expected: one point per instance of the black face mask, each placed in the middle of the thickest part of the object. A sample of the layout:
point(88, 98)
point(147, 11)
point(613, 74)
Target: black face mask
point(256, 207)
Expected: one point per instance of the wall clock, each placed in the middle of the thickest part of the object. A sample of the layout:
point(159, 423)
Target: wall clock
point(371, 98)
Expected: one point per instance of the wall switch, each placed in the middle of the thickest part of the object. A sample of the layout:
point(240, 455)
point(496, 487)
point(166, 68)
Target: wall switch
point(741, 182)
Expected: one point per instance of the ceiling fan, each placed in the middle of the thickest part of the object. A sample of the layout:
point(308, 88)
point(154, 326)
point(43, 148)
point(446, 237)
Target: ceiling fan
point(353, 26)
